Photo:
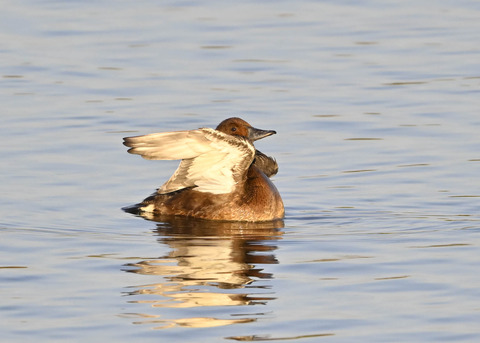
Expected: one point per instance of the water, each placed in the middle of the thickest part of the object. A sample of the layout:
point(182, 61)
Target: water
point(376, 109)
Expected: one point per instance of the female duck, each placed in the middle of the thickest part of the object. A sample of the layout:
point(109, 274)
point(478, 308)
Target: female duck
point(221, 175)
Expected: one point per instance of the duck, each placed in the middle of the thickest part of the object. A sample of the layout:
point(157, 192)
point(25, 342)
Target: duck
point(221, 176)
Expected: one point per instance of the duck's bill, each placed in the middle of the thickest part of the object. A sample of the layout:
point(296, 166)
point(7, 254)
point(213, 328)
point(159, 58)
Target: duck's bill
point(256, 134)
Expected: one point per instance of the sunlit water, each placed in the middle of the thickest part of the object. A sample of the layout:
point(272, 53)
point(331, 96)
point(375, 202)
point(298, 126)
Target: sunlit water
point(376, 106)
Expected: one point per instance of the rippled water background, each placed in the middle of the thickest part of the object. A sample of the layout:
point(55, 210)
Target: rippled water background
point(376, 105)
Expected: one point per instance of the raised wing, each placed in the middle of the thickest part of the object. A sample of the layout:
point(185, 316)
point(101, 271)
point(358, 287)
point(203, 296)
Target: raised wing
point(212, 161)
point(265, 163)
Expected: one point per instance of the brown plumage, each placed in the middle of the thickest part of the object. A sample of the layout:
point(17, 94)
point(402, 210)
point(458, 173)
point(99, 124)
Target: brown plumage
point(221, 175)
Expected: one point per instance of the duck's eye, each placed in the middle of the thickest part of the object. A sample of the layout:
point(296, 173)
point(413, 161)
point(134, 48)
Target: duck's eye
point(234, 129)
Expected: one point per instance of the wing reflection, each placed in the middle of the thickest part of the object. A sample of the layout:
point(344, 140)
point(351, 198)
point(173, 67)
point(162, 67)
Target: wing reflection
point(210, 265)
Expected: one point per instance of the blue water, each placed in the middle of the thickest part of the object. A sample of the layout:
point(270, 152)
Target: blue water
point(375, 106)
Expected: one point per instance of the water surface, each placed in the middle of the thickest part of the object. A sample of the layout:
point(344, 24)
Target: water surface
point(376, 109)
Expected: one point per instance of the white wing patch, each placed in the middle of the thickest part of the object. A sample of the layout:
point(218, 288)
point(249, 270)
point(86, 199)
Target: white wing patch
point(212, 161)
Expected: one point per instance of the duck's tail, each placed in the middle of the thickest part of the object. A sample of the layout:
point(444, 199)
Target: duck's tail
point(146, 205)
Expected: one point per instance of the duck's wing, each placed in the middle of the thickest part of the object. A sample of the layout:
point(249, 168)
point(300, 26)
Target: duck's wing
point(211, 160)
point(265, 163)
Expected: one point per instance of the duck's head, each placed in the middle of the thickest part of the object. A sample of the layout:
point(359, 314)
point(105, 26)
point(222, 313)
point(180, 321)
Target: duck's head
point(239, 127)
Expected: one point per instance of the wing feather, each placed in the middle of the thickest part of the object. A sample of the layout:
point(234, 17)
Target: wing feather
point(168, 145)
point(211, 160)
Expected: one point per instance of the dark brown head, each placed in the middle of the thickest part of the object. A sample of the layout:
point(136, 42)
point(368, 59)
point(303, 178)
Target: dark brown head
point(239, 127)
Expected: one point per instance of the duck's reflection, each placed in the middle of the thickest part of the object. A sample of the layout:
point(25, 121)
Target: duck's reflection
point(210, 264)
